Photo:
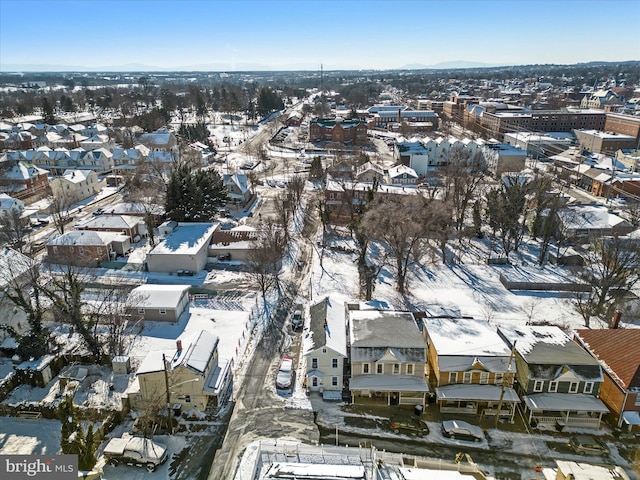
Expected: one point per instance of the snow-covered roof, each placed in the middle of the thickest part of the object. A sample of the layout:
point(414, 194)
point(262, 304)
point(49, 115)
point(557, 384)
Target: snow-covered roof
point(156, 296)
point(304, 471)
point(187, 239)
point(478, 392)
point(134, 209)
point(198, 352)
point(588, 471)
point(13, 264)
point(76, 176)
point(465, 337)
point(328, 326)
point(384, 328)
point(86, 237)
point(111, 221)
point(399, 170)
point(405, 383)
point(577, 402)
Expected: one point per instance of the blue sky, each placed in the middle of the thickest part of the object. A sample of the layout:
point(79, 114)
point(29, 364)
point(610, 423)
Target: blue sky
point(304, 34)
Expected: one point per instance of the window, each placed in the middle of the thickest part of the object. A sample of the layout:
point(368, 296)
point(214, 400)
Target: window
point(141, 310)
point(553, 386)
point(314, 363)
point(537, 386)
point(396, 369)
point(379, 368)
point(410, 369)
point(324, 350)
point(314, 381)
point(484, 377)
point(453, 377)
point(365, 368)
point(467, 377)
point(499, 378)
point(55, 249)
point(573, 387)
point(187, 399)
point(334, 381)
point(588, 387)
point(637, 402)
point(163, 311)
point(334, 363)
point(80, 250)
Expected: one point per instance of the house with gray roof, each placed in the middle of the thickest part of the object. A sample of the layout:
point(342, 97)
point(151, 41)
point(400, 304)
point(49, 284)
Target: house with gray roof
point(133, 227)
point(558, 380)
point(388, 357)
point(86, 248)
point(469, 367)
point(159, 303)
point(184, 247)
point(326, 354)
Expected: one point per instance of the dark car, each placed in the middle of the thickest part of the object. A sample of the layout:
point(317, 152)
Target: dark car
point(588, 444)
point(410, 426)
point(459, 429)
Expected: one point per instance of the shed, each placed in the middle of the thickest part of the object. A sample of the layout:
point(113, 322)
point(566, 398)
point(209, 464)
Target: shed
point(121, 365)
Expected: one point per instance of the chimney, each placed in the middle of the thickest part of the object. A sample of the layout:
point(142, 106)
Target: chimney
point(616, 319)
point(179, 345)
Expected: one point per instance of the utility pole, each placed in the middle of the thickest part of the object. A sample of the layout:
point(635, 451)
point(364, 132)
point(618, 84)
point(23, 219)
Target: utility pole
point(505, 379)
point(166, 385)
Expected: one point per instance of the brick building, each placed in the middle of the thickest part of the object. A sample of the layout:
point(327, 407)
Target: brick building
point(498, 123)
point(353, 131)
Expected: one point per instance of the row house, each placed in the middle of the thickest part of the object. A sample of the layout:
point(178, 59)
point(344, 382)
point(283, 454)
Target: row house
point(339, 130)
point(427, 156)
point(24, 181)
point(558, 380)
point(388, 358)
point(618, 351)
point(60, 159)
point(469, 367)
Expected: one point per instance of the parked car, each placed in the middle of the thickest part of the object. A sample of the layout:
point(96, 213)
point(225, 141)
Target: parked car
point(410, 425)
point(297, 320)
point(132, 450)
point(588, 444)
point(99, 211)
point(183, 273)
point(459, 429)
point(285, 373)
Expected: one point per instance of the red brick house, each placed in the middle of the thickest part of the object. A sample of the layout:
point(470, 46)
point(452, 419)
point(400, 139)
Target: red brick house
point(618, 350)
point(24, 182)
point(353, 131)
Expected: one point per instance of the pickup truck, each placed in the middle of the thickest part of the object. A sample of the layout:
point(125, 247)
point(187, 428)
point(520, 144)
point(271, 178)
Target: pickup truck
point(138, 451)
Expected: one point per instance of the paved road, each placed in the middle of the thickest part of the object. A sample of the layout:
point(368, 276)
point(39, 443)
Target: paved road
point(257, 413)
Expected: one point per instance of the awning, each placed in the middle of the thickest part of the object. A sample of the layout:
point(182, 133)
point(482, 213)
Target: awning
point(476, 392)
point(388, 383)
point(577, 402)
point(632, 418)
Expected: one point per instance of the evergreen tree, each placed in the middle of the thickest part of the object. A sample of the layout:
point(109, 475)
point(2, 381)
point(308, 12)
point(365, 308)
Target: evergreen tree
point(194, 196)
point(88, 459)
point(48, 113)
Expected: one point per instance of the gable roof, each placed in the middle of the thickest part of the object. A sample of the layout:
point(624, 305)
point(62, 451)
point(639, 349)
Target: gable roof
point(618, 350)
point(86, 238)
point(111, 221)
point(328, 326)
point(198, 352)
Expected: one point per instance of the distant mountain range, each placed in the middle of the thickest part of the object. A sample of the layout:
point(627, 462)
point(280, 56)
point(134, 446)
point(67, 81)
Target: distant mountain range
point(248, 67)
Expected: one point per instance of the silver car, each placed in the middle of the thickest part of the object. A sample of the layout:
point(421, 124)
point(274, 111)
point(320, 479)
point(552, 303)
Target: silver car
point(461, 430)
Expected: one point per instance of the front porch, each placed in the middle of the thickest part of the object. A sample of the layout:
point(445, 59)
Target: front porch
point(477, 398)
point(388, 390)
point(564, 410)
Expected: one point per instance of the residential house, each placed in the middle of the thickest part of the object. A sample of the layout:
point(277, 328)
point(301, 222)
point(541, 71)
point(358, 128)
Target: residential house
point(128, 158)
point(189, 376)
point(139, 210)
point(85, 248)
point(25, 182)
point(558, 380)
point(369, 172)
point(185, 247)
point(402, 175)
point(326, 353)
point(388, 358)
point(131, 226)
point(10, 206)
point(158, 303)
point(502, 158)
point(602, 100)
point(238, 188)
point(162, 143)
point(76, 185)
point(618, 351)
point(469, 367)
point(582, 221)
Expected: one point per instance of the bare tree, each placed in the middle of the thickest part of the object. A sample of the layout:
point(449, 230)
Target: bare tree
point(506, 206)
point(612, 270)
point(266, 255)
point(462, 177)
point(13, 229)
point(296, 188)
point(399, 221)
point(59, 204)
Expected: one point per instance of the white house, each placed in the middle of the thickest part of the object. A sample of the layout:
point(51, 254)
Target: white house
point(183, 248)
point(76, 184)
point(326, 354)
point(10, 205)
